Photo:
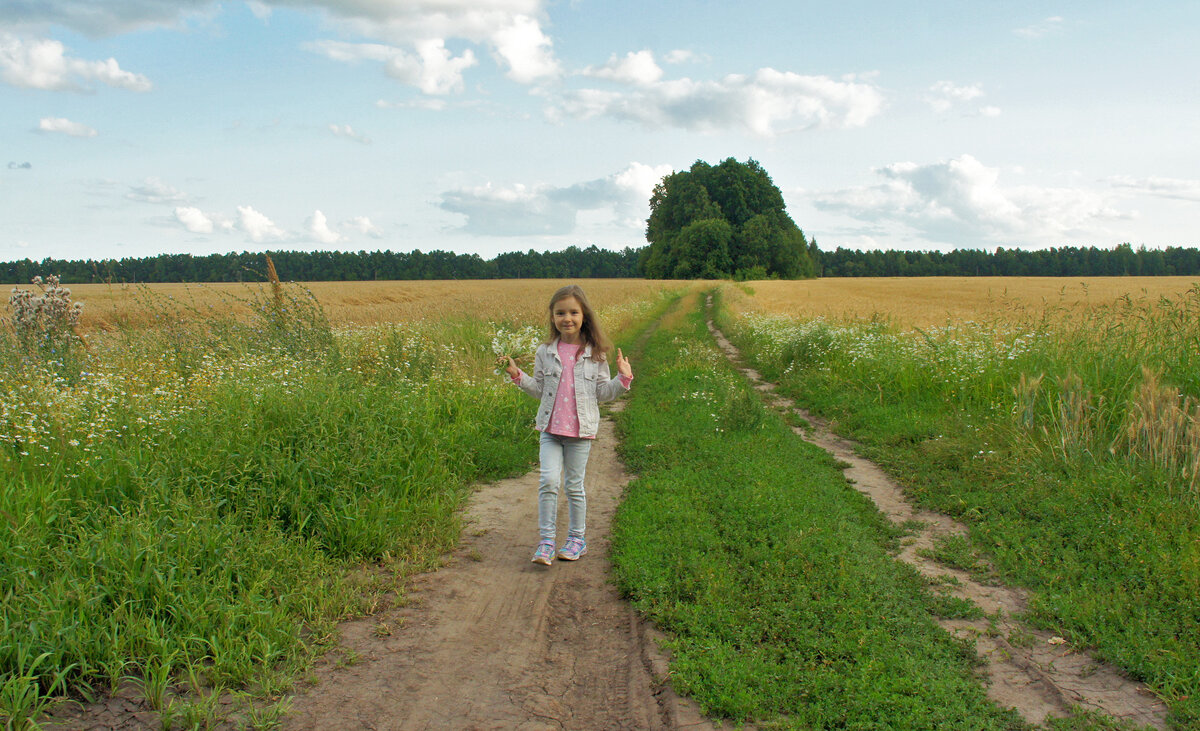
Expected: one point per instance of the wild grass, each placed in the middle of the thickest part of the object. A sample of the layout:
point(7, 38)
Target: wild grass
point(1067, 440)
point(771, 574)
point(180, 506)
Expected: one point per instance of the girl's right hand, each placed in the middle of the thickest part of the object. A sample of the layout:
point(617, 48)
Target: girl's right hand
point(512, 370)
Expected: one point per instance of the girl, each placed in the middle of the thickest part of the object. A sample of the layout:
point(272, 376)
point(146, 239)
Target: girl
point(570, 376)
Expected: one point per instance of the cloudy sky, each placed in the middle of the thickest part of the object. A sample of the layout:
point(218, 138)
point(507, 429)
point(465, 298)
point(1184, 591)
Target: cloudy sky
point(139, 127)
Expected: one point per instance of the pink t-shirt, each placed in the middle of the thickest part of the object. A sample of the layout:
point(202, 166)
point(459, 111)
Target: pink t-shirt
point(564, 419)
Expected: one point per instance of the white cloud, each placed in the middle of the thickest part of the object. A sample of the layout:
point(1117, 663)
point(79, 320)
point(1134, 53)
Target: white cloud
point(318, 229)
point(632, 188)
point(950, 90)
point(526, 50)
point(66, 127)
point(989, 111)
point(944, 94)
point(412, 20)
point(433, 69)
point(415, 31)
point(765, 104)
point(640, 179)
point(961, 202)
point(353, 52)
point(680, 55)
point(194, 220)
point(99, 18)
point(257, 226)
point(521, 210)
point(261, 10)
point(345, 130)
point(1181, 189)
point(509, 28)
point(1042, 28)
point(43, 64)
point(154, 190)
point(511, 211)
point(637, 67)
point(363, 225)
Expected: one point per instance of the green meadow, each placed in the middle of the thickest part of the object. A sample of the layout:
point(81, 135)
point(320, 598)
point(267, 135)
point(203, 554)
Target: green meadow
point(186, 505)
point(771, 574)
point(1069, 445)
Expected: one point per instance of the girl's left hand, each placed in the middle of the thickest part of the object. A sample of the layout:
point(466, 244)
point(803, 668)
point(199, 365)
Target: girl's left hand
point(623, 365)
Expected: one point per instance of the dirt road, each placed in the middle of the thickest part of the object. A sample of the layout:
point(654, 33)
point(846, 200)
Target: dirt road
point(494, 641)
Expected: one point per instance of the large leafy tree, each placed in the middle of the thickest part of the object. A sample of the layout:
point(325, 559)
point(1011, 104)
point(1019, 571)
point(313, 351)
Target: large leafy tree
point(718, 221)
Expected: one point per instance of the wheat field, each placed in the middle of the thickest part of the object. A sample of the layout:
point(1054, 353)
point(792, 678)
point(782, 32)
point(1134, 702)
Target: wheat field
point(359, 303)
point(905, 301)
point(931, 301)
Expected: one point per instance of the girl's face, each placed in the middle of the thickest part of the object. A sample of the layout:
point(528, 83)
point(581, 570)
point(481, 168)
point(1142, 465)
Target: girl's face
point(567, 314)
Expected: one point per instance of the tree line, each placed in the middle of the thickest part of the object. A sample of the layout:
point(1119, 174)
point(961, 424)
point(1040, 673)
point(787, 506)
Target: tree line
point(333, 266)
point(1066, 261)
point(576, 263)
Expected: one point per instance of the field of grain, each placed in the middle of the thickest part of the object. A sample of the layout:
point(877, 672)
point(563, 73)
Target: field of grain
point(933, 301)
point(357, 303)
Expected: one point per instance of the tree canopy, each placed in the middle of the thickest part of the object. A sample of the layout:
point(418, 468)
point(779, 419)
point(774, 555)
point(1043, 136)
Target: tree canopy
point(721, 221)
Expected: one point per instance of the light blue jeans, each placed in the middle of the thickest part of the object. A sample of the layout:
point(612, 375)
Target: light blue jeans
point(564, 461)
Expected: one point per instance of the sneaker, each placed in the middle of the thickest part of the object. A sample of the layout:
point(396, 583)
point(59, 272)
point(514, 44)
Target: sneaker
point(572, 549)
point(544, 553)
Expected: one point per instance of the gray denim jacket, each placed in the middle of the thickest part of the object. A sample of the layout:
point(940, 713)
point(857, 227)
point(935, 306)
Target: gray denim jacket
point(593, 384)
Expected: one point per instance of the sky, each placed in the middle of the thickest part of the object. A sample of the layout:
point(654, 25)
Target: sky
point(133, 128)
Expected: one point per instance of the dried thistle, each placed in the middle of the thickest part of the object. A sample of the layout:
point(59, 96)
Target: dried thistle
point(46, 320)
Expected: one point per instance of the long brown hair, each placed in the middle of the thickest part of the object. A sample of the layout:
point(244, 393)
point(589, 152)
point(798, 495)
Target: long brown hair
point(590, 331)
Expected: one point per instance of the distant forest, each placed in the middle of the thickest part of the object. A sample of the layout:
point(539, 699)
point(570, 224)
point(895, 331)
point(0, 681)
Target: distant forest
point(334, 266)
point(1067, 261)
point(573, 262)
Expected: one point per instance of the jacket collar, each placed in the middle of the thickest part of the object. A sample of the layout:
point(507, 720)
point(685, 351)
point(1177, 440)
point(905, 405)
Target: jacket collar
point(585, 353)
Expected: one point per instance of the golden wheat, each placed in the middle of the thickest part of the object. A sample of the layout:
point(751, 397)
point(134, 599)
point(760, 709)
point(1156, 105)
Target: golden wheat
point(1163, 427)
point(362, 303)
point(932, 301)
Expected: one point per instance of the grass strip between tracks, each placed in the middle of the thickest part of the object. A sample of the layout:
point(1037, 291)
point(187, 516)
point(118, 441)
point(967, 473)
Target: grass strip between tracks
point(771, 574)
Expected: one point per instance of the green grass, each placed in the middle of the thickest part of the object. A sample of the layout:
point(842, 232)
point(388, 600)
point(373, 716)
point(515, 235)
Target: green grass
point(1058, 496)
point(182, 507)
point(772, 575)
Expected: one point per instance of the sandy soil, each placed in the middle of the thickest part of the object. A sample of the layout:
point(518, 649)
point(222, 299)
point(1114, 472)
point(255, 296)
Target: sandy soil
point(493, 641)
point(1038, 674)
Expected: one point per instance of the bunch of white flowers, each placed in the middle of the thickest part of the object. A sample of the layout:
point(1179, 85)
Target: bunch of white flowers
point(516, 344)
point(46, 319)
